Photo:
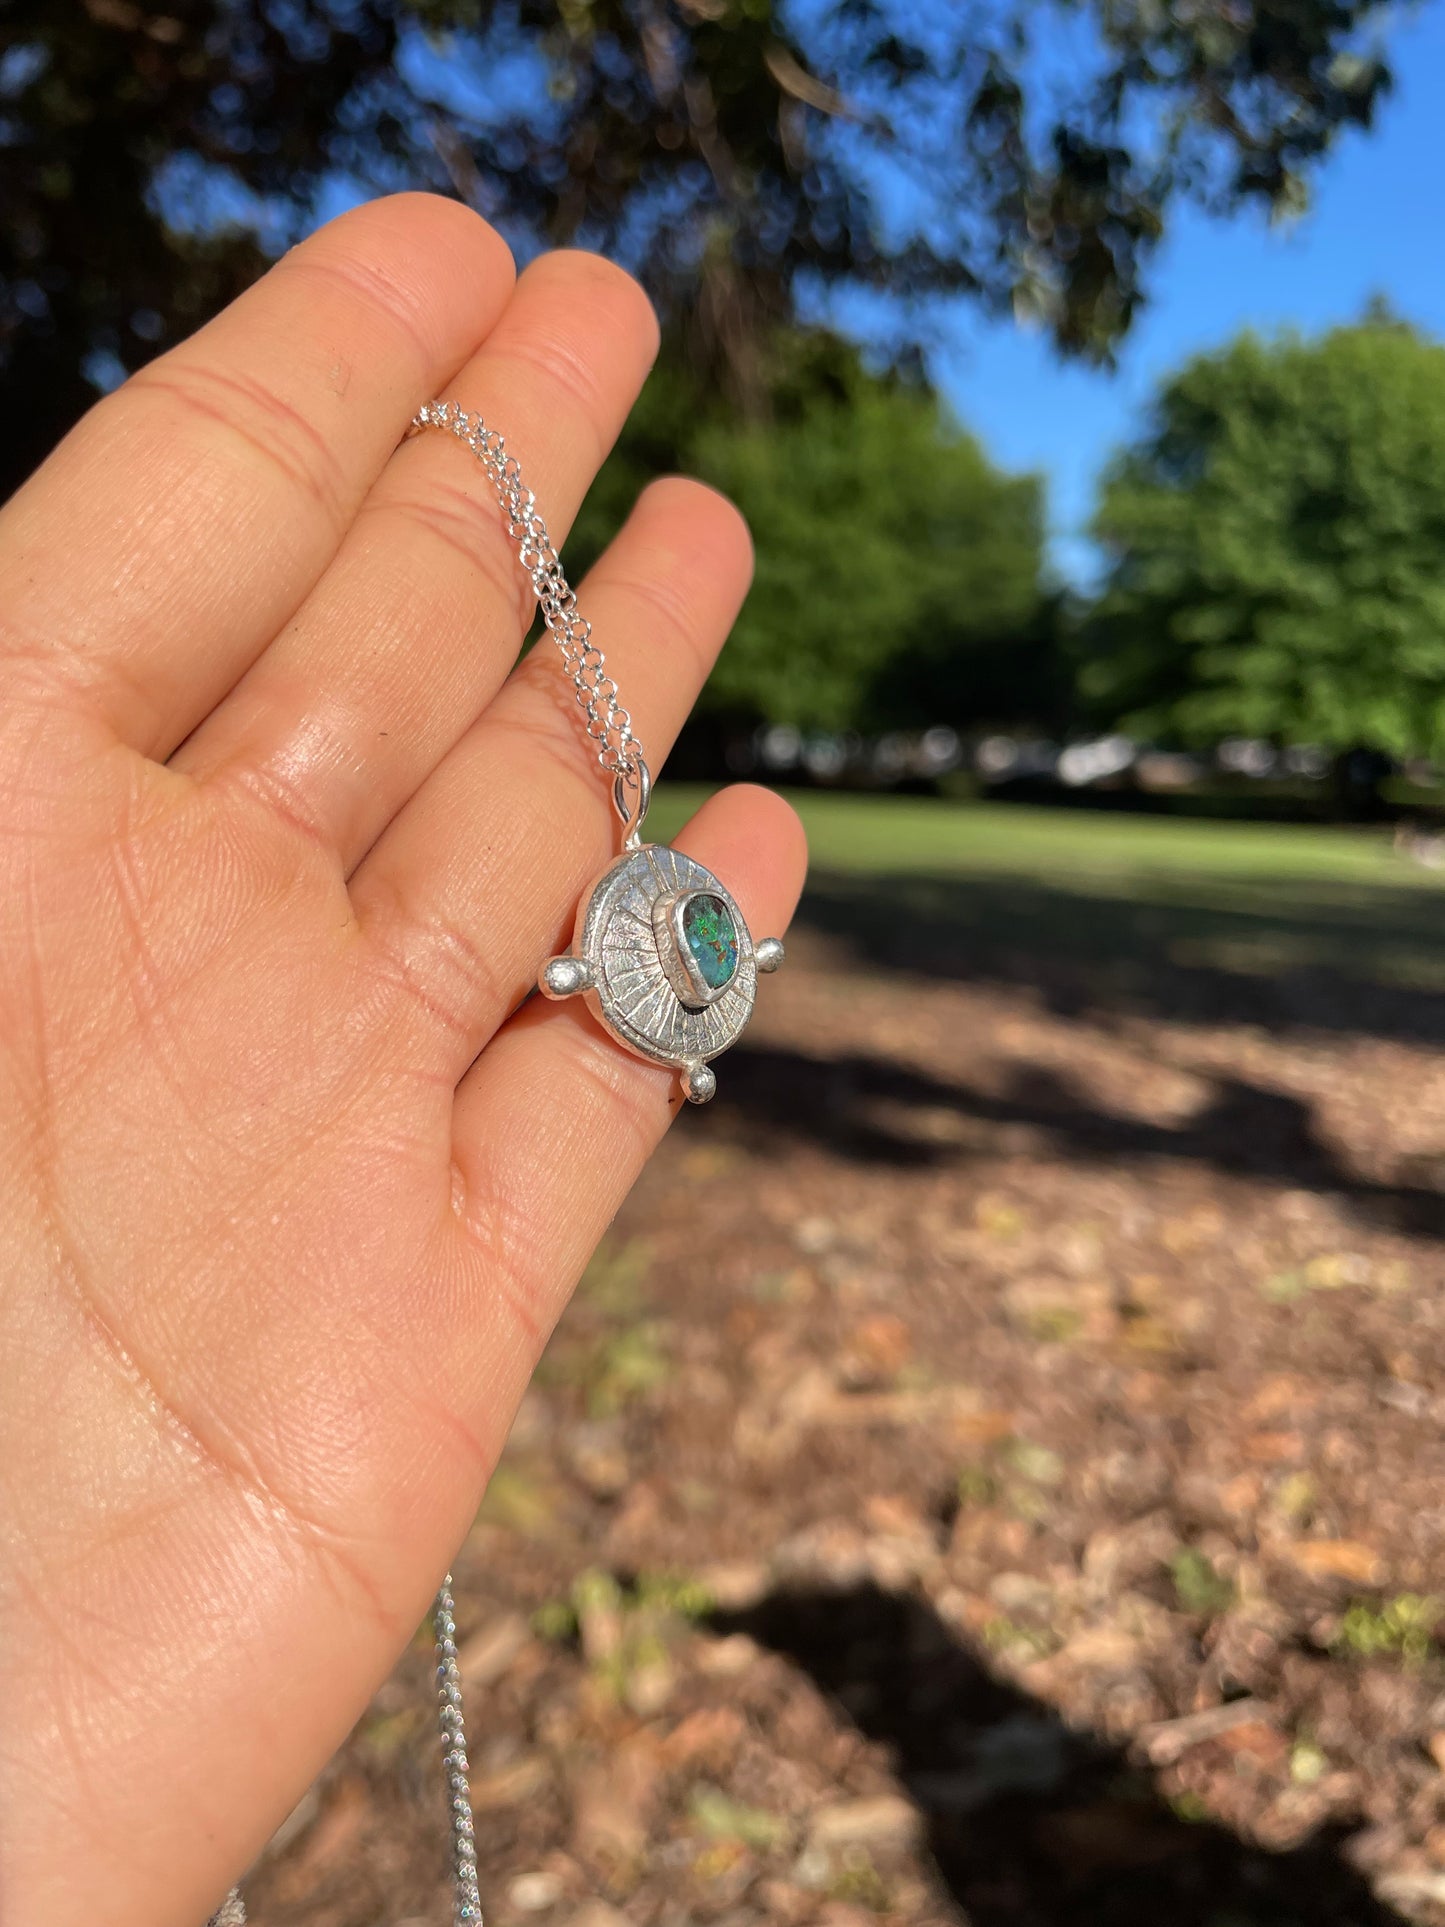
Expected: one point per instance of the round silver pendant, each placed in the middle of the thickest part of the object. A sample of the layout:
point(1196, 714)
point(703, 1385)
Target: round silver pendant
point(665, 961)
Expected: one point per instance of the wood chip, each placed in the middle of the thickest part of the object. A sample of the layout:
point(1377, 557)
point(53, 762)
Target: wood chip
point(889, 1820)
point(486, 1656)
point(1169, 1740)
point(1334, 1559)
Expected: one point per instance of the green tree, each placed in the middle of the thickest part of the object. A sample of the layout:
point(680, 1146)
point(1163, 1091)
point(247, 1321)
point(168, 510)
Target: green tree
point(739, 153)
point(898, 572)
point(1278, 544)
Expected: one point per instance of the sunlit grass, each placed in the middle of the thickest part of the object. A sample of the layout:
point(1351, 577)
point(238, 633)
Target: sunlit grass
point(873, 833)
point(1249, 900)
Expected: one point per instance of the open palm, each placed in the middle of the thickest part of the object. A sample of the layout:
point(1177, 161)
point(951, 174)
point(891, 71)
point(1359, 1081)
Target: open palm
point(293, 1190)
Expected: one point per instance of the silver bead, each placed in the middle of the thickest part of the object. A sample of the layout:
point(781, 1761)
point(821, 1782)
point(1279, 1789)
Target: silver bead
point(769, 953)
point(564, 977)
point(699, 1082)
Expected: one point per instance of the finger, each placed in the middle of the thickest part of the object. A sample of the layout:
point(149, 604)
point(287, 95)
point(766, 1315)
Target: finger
point(178, 526)
point(555, 1120)
point(478, 877)
point(417, 622)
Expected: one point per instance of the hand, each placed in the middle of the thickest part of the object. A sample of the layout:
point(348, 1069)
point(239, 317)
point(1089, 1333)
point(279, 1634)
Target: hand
point(293, 1191)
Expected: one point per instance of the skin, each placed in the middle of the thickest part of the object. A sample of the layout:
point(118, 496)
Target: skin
point(292, 1184)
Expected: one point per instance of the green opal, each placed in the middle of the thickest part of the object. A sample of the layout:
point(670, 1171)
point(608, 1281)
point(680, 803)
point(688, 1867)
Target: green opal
point(709, 933)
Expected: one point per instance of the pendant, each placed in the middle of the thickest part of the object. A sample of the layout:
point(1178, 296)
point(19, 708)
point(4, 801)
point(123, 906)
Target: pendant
point(663, 957)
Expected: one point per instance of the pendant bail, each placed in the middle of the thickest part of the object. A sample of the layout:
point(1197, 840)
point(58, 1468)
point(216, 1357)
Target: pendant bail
point(636, 776)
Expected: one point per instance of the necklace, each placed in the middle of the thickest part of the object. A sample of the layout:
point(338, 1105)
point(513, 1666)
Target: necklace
point(660, 952)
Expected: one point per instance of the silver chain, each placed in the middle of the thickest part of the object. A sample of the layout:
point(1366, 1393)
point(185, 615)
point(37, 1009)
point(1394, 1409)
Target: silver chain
point(620, 754)
point(468, 1900)
point(607, 722)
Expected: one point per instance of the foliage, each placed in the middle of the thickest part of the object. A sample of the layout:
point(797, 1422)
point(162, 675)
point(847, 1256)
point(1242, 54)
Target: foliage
point(1279, 548)
point(724, 1818)
point(897, 577)
point(897, 571)
point(975, 1486)
point(1198, 1587)
point(612, 1369)
point(1004, 1635)
point(654, 1596)
point(625, 1632)
point(743, 154)
point(1406, 1626)
point(520, 1500)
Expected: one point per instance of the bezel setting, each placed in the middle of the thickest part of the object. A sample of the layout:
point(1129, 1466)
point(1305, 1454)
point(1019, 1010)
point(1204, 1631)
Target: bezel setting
point(681, 967)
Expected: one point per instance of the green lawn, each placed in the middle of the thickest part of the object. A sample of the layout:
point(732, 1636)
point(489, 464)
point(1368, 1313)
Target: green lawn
point(899, 833)
point(1243, 899)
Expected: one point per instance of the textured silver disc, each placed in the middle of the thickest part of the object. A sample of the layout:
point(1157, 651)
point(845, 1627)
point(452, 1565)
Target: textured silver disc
point(630, 993)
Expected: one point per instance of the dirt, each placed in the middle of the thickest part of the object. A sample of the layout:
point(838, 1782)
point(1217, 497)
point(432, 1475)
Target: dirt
point(994, 1472)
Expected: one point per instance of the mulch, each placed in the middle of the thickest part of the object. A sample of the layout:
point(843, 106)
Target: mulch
point(994, 1472)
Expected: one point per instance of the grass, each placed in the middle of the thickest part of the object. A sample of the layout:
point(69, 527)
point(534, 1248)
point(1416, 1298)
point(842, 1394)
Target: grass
point(1242, 899)
point(865, 835)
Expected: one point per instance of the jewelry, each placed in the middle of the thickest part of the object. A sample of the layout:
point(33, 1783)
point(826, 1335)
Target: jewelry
point(467, 1898)
point(660, 952)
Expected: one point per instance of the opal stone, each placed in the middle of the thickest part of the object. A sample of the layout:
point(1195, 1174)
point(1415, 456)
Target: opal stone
point(709, 933)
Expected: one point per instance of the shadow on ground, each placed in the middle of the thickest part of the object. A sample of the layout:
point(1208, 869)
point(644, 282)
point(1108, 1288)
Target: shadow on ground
point(1030, 1824)
point(1285, 953)
point(876, 1110)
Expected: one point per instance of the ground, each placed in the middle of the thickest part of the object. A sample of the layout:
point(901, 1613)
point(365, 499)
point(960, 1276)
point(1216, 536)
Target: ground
point(995, 1470)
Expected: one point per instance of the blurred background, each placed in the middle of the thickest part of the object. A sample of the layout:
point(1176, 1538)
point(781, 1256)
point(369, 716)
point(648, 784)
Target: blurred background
point(994, 1472)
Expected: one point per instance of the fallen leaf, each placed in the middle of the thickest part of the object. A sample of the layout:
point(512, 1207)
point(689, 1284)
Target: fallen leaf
point(1334, 1559)
point(878, 1348)
point(1281, 1392)
point(510, 1786)
point(710, 1735)
point(1273, 1448)
point(982, 1428)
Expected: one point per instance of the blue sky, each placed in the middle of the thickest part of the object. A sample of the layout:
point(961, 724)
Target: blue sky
point(1377, 225)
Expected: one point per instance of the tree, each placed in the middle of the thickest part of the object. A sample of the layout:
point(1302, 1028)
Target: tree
point(898, 572)
point(744, 155)
point(1278, 543)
